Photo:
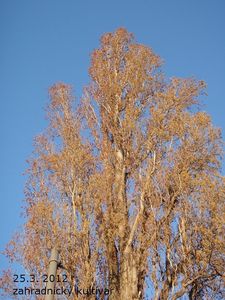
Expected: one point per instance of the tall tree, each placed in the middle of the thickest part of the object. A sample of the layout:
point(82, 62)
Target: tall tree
point(127, 184)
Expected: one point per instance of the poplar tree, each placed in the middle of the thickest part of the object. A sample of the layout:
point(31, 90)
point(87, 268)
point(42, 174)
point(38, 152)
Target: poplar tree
point(126, 183)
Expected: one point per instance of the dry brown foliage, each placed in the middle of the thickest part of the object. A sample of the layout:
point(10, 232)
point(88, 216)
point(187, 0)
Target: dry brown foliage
point(127, 183)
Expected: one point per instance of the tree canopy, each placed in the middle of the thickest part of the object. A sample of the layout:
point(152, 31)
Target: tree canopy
point(126, 182)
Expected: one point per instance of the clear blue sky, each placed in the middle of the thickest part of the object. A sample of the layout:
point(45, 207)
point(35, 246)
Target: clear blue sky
point(45, 41)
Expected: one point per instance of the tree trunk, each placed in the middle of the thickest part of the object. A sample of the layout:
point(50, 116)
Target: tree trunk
point(129, 278)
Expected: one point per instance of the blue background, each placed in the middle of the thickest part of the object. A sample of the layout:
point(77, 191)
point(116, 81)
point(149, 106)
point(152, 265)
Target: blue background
point(46, 41)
